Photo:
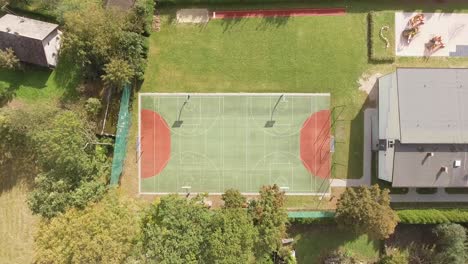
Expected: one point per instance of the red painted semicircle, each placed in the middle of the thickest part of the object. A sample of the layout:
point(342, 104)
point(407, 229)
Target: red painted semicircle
point(155, 143)
point(315, 144)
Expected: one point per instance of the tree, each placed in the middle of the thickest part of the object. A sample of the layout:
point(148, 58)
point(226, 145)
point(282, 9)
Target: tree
point(270, 219)
point(71, 166)
point(339, 256)
point(367, 210)
point(175, 230)
point(231, 237)
point(118, 73)
point(395, 257)
point(93, 106)
point(91, 37)
point(233, 199)
point(450, 245)
point(8, 59)
point(104, 232)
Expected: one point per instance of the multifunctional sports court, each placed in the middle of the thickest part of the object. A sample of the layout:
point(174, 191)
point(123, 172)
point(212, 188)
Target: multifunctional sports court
point(202, 142)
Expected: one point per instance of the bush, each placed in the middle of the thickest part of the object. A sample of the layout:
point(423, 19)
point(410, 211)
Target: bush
point(8, 59)
point(433, 216)
point(93, 106)
point(141, 17)
point(377, 47)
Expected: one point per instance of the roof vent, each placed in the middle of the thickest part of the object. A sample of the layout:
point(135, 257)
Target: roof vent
point(457, 163)
point(22, 20)
point(444, 169)
point(430, 154)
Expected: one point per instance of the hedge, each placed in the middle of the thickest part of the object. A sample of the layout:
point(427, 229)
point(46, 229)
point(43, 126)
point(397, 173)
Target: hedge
point(377, 50)
point(433, 216)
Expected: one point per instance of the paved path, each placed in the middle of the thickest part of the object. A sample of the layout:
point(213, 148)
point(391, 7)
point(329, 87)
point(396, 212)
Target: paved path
point(440, 196)
point(366, 178)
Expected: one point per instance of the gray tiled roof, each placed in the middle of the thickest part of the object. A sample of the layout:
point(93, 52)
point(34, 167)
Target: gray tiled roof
point(433, 105)
point(26, 27)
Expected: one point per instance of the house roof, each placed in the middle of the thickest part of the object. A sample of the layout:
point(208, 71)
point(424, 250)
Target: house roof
point(432, 105)
point(430, 165)
point(26, 27)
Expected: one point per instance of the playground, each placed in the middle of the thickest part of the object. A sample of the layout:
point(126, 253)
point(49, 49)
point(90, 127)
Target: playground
point(211, 142)
point(450, 29)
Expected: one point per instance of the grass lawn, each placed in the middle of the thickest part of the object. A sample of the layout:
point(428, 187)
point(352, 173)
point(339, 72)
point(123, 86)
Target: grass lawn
point(298, 54)
point(378, 48)
point(35, 85)
point(313, 54)
point(312, 241)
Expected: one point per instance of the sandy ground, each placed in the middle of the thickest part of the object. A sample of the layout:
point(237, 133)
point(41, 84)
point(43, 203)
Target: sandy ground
point(193, 15)
point(451, 27)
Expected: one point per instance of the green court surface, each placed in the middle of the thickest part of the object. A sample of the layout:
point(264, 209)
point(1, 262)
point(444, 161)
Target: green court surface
point(212, 142)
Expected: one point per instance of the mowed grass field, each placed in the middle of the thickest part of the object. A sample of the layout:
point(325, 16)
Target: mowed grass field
point(312, 242)
point(325, 54)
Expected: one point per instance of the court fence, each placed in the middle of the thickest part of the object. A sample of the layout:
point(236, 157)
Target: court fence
point(120, 146)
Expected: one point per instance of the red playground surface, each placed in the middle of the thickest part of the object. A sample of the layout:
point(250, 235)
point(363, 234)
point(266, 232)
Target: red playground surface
point(278, 13)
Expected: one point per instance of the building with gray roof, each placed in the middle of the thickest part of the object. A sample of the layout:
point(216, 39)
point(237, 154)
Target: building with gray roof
point(423, 127)
point(33, 41)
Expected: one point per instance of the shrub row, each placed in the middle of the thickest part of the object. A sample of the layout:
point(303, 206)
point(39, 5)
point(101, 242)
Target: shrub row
point(433, 216)
point(377, 46)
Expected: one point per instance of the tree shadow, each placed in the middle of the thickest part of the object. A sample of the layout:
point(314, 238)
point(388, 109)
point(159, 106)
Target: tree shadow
point(68, 76)
point(314, 241)
point(28, 75)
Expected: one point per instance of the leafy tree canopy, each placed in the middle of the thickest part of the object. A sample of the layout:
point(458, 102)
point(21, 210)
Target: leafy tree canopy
point(175, 230)
point(270, 219)
point(231, 237)
point(367, 210)
point(105, 232)
point(8, 59)
point(450, 245)
point(233, 199)
point(72, 166)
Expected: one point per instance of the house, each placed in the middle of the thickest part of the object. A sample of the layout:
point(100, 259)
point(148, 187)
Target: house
point(423, 127)
point(33, 41)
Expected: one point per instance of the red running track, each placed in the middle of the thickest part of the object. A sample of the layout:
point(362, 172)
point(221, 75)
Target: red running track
point(278, 13)
point(315, 144)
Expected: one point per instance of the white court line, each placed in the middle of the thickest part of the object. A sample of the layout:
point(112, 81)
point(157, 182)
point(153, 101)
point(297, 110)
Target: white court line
point(221, 95)
point(240, 94)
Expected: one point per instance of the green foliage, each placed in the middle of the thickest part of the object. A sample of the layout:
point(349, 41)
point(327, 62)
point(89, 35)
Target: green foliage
point(175, 230)
point(118, 73)
point(133, 49)
point(141, 17)
point(91, 37)
point(104, 232)
point(92, 107)
point(339, 256)
point(270, 219)
point(433, 216)
point(231, 237)
point(70, 164)
point(450, 245)
point(8, 59)
point(378, 51)
point(234, 199)
point(395, 257)
point(12, 134)
point(367, 210)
